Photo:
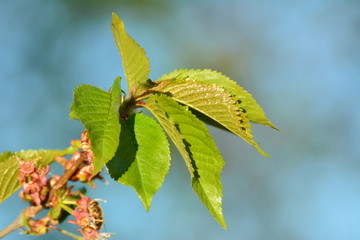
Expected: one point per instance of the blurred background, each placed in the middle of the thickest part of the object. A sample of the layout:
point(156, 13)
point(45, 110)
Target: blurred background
point(300, 60)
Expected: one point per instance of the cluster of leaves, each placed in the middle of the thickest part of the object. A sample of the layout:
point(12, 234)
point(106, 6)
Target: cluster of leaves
point(134, 147)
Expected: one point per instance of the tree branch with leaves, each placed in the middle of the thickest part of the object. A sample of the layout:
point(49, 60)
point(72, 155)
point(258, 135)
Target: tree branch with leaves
point(132, 146)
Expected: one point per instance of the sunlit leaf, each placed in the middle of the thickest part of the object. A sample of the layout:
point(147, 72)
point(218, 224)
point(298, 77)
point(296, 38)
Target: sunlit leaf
point(197, 147)
point(98, 111)
point(136, 64)
point(244, 100)
point(214, 102)
point(143, 157)
point(45, 157)
point(9, 172)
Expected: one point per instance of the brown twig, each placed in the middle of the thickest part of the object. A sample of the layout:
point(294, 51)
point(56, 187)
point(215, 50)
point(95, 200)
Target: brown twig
point(64, 178)
point(28, 212)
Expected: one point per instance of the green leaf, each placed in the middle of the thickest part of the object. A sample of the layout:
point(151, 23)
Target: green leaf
point(55, 212)
point(197, 147)
point(244, 100)
point(116, 97)
point(143, 157)
point(98, 111)
point(9, 172)
point(45, 157)
point(9, 166)
point(136, 64)
point(214, 102)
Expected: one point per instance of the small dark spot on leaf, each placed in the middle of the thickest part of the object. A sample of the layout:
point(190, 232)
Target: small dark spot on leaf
point(124, 116)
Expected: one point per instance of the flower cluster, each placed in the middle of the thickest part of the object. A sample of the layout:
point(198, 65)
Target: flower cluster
point(88, 218)
point(35, 190)
point(55, 194)
point(85, 173)
point(33, 182)
point(41, 226)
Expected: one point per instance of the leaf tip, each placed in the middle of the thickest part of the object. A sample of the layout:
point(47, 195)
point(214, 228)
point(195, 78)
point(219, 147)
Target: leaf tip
point(147, 208)
point(224, 225)
point(274, 127)
point(220, 219)
point(116, 22)
point(269, 124)
point(257, 147)
point(262, 152)
point(146, 202)
point(114, 16)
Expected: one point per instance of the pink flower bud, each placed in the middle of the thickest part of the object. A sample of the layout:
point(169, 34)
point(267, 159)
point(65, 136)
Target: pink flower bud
point(33, 181)
point(27, 167)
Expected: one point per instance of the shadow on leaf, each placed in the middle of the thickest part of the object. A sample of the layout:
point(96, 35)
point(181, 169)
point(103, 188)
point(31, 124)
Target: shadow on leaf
point(126, 151)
